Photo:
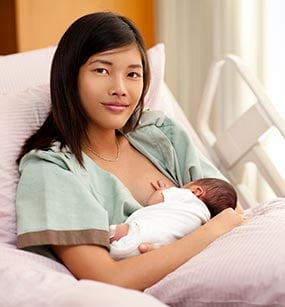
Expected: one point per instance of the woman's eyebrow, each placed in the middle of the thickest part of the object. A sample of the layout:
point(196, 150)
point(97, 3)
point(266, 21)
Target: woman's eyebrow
point(101, 61)
point(134, 66)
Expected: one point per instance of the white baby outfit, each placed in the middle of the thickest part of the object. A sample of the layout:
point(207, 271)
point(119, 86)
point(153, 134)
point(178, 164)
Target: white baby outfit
point(180, 213)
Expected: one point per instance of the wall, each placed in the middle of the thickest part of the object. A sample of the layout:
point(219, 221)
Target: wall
point(8, 43)
point(40, 23)
point(189, 54)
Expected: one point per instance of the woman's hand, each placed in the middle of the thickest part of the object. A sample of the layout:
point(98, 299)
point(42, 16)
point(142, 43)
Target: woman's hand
point(147, 247)
point(226, 220)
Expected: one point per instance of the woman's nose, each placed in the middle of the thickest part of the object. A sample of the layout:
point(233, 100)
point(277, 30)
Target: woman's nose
point(118, 87)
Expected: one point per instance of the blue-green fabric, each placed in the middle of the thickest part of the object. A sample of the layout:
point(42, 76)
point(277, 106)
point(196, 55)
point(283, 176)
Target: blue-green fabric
point(58, 200)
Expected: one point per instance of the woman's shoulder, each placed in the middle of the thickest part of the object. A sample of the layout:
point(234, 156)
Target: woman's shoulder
point(158, 119)
point(158, 135)
point(157, 123)
point(53, 155)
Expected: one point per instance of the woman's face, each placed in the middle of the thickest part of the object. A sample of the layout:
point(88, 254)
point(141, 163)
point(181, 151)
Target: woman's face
point(110, 85)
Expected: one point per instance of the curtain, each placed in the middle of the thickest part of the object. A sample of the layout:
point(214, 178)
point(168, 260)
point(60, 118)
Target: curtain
point(196, 33)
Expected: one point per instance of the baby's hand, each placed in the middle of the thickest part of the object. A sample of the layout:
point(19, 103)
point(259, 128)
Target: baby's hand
point(158, 185)
point(157, 195)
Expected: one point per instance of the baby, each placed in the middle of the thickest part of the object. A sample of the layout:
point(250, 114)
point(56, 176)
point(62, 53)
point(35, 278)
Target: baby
point(170, 214)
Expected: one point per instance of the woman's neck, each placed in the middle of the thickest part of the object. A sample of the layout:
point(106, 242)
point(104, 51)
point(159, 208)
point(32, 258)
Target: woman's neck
point(104, 145)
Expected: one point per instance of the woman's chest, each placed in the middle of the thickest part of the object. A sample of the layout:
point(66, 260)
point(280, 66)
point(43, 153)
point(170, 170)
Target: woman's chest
point(137, 172)
point(138, 176)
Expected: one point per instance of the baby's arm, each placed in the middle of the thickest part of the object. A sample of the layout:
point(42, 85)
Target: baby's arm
point(157, 195)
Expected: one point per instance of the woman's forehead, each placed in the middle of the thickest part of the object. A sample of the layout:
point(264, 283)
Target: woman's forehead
point(129, 53)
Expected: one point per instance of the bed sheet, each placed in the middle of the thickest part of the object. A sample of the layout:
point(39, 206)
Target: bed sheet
point(30, 280)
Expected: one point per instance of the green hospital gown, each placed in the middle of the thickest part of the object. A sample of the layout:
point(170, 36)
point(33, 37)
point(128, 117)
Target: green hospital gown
point(59, 202)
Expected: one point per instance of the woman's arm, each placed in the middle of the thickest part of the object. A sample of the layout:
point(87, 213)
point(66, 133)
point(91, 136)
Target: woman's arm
point(139, 272)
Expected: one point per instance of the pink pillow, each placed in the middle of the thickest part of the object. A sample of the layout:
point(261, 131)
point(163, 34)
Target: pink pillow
point(22, 112)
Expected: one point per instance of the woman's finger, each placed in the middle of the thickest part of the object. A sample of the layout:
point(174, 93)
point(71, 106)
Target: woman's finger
point(146, 247)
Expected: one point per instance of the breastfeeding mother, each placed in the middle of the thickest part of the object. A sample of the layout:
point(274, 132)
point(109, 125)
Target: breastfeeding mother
point(92, 161)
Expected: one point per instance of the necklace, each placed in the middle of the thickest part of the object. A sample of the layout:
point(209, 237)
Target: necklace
point(103, 158)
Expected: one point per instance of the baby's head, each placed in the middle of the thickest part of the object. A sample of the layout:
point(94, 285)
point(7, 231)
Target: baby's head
point(217, 194)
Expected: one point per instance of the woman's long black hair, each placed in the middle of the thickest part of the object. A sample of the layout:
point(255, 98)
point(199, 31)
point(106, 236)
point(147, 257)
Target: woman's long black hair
point(88, 35)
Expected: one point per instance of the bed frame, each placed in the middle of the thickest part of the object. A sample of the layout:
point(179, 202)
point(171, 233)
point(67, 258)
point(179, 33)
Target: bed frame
point(232, 149)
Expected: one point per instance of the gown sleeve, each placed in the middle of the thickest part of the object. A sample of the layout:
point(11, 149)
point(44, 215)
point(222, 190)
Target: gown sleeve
point(55, 206)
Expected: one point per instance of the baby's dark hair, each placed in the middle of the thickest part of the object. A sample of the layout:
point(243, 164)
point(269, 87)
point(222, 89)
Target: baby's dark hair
point(219, 194)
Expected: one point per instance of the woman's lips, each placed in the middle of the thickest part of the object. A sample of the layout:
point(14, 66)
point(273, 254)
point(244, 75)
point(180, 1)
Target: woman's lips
point(115, 107)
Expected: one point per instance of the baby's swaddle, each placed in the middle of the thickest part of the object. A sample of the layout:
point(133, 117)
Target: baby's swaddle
point(180, 213)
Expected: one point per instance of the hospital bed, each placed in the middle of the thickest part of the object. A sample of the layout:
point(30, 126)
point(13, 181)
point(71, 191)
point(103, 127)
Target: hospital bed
point(245, 267)
point(241, 143)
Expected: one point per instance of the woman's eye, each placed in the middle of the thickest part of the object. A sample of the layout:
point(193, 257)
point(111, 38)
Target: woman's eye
point(134, 75)
point(102, 71)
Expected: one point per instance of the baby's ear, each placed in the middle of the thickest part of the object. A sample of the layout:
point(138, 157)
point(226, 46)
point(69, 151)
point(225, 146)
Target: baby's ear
point(197, 190)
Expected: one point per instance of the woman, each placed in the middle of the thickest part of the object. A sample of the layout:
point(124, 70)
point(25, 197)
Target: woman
point(79, 170)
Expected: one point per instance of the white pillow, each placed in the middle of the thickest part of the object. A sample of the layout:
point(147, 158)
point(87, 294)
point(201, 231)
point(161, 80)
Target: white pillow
point(26, 69)
point(23, 112)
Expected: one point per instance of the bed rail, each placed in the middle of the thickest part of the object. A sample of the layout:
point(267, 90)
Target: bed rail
point(241, 143)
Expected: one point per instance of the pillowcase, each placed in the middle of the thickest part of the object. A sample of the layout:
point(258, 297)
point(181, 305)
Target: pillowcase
point(22, 113)
point(24, 70)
